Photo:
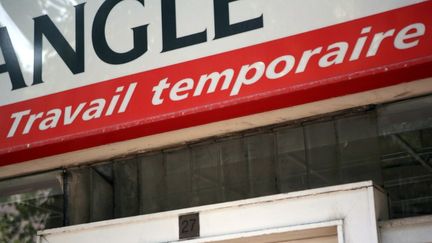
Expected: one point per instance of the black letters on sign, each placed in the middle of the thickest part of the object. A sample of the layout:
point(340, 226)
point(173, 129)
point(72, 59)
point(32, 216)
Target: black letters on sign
point(169, 29)
point(224, 28)
point(103, 51)
point(11, 64)
point(73, 59)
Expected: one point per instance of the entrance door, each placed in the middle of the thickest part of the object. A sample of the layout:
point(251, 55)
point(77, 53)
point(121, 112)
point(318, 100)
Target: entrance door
point(325, 239)
point(314, 235)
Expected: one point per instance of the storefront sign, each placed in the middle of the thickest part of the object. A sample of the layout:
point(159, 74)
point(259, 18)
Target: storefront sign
point(243, 57)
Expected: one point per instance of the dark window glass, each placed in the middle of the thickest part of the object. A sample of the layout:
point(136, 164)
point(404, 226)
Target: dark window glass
point(293, 170)
point(322, 154)
point(406, 155)
point(89, 194)
point(390, 144)
point(358, 147)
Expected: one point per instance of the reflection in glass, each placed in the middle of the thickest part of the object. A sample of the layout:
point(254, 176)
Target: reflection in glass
point(30, 204)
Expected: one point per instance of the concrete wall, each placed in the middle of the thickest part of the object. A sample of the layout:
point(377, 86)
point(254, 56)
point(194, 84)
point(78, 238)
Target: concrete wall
point(408, 230)
point(352, 208)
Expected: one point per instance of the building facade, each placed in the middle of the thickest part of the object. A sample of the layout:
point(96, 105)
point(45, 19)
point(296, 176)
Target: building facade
point(216, 121)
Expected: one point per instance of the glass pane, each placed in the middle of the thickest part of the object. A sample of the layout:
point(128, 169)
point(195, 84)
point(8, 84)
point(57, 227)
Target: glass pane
point(78, 193)
point(407, 172)
point(208, 180)
point(29, 204)
point(178, 179)
point(406, 155)
point(152, 183)
point(359, 149)
point(90, 194)
point(292, 165)
point(126, 199)
point(235, 169)
point(322, 154)
point(102, 202)
point(260, 154)
point(405, 116)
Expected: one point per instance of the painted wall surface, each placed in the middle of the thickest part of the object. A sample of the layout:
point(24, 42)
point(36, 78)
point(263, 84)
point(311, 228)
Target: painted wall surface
point(351, 206)
point(211, 67)
point(416, 229)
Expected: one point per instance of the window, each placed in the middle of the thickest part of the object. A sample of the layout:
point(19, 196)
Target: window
point(29, 204)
